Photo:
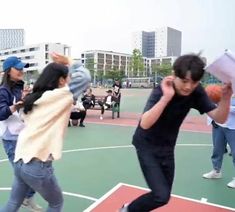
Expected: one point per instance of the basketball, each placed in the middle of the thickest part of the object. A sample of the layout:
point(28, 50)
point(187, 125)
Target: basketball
point(214, 92)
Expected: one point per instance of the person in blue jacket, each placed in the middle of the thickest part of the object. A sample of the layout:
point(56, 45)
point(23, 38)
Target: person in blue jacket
point(11, 94)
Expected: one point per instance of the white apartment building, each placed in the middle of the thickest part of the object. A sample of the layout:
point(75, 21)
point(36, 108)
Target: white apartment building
point(106, 60)
point(36, 55)
point(99, 60)
point(162, 42)
point(11, 38)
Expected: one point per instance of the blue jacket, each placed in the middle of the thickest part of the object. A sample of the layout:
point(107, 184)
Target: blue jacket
point(7, 97)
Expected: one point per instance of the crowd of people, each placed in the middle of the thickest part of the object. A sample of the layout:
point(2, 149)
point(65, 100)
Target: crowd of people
point(58, 96)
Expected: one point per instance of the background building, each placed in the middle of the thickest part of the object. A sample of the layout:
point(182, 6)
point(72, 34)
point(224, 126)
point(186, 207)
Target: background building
point(163, 42)
point(10, 38)
point(103, 61)
point(36, 55)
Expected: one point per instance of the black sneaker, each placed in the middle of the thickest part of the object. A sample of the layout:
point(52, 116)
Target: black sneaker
point(81, 125)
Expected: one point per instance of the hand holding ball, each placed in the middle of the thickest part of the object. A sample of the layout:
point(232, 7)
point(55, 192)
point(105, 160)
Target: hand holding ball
point(214, 92)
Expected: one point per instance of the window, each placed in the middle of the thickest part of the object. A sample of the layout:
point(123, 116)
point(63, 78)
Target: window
point(46, 56)
point(46, 47)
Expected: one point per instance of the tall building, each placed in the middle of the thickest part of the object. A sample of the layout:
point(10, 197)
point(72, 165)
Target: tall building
point(11, 38)
point(163, 42)
point(37, 55)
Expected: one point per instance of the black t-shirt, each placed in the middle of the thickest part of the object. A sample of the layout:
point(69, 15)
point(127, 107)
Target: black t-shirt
point(165, 130)
point(116, 88)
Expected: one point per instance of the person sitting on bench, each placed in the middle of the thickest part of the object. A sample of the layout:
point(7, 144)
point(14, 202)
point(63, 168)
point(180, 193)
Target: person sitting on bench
point(88, 99)
point(108, 102)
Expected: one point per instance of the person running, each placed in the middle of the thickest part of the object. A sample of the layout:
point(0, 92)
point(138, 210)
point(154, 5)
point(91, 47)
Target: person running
point(46, 115)
point(11, 94)
point(156, 134)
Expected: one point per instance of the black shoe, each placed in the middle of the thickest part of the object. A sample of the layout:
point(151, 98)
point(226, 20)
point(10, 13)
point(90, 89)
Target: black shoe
point(226, 150)
point(81, 125)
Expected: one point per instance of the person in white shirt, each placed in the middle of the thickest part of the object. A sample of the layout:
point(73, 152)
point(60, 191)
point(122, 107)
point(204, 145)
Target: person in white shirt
point(222, 134)
point(78, 112)
point(109, 100)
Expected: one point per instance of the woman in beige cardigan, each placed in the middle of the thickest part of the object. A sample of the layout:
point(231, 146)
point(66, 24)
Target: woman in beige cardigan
point(46, 116)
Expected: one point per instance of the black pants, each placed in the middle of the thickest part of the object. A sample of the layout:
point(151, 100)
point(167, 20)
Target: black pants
point(158, 167)
point(78, 115)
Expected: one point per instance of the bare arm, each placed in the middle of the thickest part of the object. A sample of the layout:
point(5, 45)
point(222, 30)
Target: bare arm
point(152, 115)
point(220, 113)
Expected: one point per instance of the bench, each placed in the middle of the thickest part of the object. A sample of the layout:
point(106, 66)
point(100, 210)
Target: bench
point(115, 107)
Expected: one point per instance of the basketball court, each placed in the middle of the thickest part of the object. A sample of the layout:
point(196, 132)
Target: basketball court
point(99, 170)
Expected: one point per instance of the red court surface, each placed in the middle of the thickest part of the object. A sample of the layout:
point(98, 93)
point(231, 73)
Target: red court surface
point(123, 193)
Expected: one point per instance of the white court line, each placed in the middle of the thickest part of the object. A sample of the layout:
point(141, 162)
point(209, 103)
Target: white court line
point(119, 147)
point(185, 198)
point(79, 196)
point(101, 199)
point(202, 201)
point(65, 193)
point(97, 148)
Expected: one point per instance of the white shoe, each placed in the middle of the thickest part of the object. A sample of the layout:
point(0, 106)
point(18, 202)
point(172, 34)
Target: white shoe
point(213, 175)
point(31, 205)
point(232, 183)
point(124, 208)
point(101, 117)
point(105, 107)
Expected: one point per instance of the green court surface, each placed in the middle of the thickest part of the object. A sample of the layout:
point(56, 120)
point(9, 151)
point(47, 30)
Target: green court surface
point(98, 157)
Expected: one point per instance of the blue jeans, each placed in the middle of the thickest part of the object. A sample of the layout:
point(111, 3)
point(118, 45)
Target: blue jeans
point(158, 167)
point(39, 176)
point(221, 136)
point(9, 146)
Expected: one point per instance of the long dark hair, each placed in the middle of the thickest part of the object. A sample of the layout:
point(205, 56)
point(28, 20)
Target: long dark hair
point(6, 80)
point(48, 80)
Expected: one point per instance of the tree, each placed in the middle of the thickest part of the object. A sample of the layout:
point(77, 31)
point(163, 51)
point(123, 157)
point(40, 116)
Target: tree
point(137, 64)
point(115, 74)
point(162, 69)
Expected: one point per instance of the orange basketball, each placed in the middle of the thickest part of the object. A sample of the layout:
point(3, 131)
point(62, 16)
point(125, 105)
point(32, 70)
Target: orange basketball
point(214, 92)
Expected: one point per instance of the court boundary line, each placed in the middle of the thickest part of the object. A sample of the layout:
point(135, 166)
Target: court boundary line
point(102, 198)
point(64, 192)
point(120, 147)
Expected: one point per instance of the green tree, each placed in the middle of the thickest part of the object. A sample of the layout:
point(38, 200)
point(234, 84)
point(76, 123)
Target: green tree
point(137, 64)
point(162, 69)
point(90, 65)
point(115, 74)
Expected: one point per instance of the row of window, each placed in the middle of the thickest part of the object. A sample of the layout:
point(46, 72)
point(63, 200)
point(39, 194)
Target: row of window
point(19, 51)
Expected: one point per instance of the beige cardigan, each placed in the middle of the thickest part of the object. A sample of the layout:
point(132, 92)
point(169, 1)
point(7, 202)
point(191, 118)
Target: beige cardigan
point(45, 126)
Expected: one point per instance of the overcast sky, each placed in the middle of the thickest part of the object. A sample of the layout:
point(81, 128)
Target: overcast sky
point(207, 25)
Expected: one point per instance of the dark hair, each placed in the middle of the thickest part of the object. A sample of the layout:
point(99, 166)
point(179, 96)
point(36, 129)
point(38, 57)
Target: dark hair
point(48, 80)
point(189, 63)
point(6, 80)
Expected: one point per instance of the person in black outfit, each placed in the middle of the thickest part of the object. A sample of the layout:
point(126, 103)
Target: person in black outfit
point(78, 112)
point(88, 99)
point(117, 90)
point(156, 134)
